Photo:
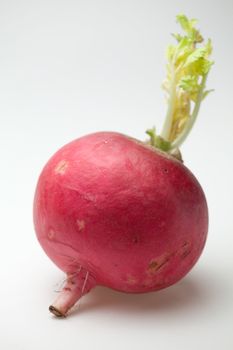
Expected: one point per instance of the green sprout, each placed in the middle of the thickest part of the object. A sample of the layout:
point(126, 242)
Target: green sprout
point(185, 85)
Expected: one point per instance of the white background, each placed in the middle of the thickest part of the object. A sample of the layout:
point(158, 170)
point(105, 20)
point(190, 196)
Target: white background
point(68, 68)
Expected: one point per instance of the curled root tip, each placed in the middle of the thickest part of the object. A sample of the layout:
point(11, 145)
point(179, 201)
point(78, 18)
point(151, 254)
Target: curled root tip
point(56, 312)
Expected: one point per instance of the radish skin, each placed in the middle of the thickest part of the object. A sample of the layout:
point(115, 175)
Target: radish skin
point(119, 213)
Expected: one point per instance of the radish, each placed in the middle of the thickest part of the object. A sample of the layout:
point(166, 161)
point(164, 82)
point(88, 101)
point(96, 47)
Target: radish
point(111, 210)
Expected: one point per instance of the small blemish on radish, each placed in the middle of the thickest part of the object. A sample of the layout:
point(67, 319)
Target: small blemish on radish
point(153, 266)
point(51, 234)
point(185, 250)
point(61, 167)
point(185, 253)
point(131, 280)
point(135, 239)
point(81, 224)
point(129, 165)
point(156, 264)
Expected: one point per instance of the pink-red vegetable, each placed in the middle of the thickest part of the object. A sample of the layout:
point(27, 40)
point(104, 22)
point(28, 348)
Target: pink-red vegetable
point(111, 210)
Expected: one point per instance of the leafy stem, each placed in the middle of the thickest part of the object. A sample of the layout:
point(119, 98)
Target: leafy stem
point(187, 70)
point(171, 105)
point(190, 122)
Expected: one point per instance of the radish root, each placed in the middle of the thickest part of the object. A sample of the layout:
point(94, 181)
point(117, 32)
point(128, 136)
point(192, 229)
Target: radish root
point(76, 285)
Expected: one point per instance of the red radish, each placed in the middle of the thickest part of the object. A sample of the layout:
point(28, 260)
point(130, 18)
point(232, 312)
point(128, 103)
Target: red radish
point(119, 213)
point(111, 210)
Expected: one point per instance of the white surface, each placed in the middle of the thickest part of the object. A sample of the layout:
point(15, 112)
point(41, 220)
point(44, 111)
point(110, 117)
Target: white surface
point(68, 68)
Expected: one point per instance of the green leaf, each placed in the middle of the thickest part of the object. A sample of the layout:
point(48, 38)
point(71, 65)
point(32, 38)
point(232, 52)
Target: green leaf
point(189, 27)
point(178, 37)
point(206, 93)
point(170, 52)
point(157, 141)
point(189, 83)
point(196, 55)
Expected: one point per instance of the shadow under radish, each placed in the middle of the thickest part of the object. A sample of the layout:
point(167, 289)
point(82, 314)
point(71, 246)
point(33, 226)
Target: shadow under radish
point(192, 292)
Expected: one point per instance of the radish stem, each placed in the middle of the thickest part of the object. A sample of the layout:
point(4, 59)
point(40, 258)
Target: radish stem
point(181, 138)
point(187, 70)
